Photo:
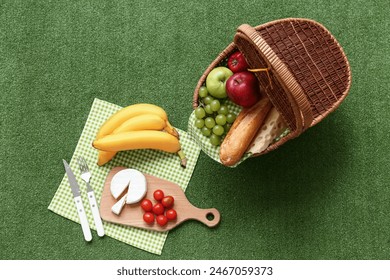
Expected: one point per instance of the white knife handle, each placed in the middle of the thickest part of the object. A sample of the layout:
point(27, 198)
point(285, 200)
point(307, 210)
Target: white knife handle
point(83, 218)
point(95, 213)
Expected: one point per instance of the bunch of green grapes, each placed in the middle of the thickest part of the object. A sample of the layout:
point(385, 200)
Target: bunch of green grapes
point(213, 117)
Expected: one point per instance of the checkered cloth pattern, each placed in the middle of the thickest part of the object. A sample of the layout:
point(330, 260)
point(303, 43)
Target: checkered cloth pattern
point(157, 163)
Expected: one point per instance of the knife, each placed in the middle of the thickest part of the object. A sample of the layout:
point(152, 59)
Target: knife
point(78, 202)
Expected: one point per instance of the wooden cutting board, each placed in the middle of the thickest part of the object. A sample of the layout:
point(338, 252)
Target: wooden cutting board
point(132, 214)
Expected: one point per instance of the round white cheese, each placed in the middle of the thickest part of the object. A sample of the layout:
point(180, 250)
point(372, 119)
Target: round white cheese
point(130, 179)
point(137, 187)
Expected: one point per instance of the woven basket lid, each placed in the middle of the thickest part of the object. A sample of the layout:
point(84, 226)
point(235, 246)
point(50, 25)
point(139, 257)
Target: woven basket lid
point(308, 74)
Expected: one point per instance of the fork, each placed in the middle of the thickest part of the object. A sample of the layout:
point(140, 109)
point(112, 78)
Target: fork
point(86, 176)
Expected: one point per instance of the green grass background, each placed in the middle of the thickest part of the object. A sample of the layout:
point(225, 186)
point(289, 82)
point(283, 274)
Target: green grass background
point(324, 195)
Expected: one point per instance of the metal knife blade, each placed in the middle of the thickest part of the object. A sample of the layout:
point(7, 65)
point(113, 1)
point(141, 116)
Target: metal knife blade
point(72, 180)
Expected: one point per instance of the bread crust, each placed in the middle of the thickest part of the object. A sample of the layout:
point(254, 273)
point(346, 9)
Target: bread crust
point(242, 132)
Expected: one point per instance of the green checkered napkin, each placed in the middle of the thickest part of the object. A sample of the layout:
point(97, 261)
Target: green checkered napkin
point(157, 163)
point(204, 142)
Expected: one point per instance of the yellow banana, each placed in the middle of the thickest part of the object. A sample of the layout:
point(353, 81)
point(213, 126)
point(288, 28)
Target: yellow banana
point(133, 140)
point(104, 157)
point(141, 122)
point(131, 111)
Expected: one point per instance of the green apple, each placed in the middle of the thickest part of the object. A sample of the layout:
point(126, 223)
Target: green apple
point(216, 80)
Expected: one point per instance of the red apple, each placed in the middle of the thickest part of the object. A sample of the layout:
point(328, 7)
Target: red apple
point(243, 89)
point(237, 63)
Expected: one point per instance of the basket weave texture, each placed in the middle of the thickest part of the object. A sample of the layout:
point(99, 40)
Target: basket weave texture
point(309, 74)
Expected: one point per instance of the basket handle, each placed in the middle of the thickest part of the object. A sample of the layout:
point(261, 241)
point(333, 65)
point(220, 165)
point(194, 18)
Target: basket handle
point(300, 105)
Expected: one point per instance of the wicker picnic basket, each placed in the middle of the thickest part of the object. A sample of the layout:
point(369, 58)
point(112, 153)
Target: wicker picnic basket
point(308, 74)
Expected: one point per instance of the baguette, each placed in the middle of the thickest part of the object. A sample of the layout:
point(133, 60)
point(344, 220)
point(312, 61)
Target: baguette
point(242, 132)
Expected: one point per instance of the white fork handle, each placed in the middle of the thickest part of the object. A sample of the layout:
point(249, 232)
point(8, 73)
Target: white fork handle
point(83, 218)
point(95, 213)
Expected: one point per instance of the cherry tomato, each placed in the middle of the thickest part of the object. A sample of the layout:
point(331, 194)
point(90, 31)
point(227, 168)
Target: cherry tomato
point(162, 220)
point(171, 214)
point(168, 201)
point(149, 217)
point(158, 209)
point(147, 205)
point(158, 195)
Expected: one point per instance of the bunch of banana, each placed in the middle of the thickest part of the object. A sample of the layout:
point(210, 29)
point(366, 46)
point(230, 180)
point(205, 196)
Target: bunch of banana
point(138, 126)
